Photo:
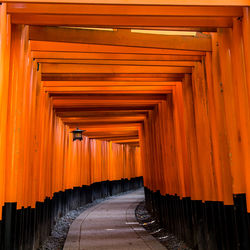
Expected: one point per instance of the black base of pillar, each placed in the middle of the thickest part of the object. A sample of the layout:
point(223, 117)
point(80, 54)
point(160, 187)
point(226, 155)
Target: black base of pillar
point(206, 225)
point(27, 228)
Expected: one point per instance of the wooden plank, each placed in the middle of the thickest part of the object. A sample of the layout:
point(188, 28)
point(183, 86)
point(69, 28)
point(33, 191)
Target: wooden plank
point(101, 113)
point(110, 137)
point(77, 77)
point(111, 97)
point(77, 68)
point(40, 55)
point(107, 103)
point(120, 62)
point(115, 123)
point(109, 128)
point(100, 108)
point(120, 21)
point(111, 9)
point(101, 119)
point(103, 83)
point(110, 90)
point(95, 48)
point(145, 2)
point(119, 38)
point(126, 141)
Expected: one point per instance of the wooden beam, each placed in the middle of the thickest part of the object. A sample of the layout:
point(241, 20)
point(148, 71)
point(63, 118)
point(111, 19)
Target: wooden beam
point(145, 2)
point(81, 114)
point(120, 10)
point(119, 38)
point(111, 90)
point(113, 77)
point(103, 83)
point(129, 127)
point(40, 55)
point(101, 108)
point(95, 48)
point(122, 97)
point(111, 138)
point(119, 62)
point(126, 141)
point(102, 123)
point(106, 113)
point(117, 132)
point(78, 68)
point(103, 119)
point(121, 21)
point(59, 103)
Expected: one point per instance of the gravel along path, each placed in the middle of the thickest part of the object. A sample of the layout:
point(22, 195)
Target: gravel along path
point(152, 226)
point(59, 233)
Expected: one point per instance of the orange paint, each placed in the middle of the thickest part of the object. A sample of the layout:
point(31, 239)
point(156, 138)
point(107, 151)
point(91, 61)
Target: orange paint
point(174, 109)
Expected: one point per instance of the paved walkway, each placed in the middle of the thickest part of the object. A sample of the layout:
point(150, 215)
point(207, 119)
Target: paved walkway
point(111, 225)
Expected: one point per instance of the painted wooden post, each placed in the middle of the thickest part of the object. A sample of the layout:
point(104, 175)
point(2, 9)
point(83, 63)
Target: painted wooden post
point(203, 131)
point(232, 118)
point(189, 119)
point(5, 40)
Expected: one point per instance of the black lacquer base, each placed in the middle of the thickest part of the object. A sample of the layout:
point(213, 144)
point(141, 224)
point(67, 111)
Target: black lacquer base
point(206, 225)
point(27, 228)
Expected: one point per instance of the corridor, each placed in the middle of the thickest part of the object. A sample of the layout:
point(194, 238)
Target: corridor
point(111, 225)
point(99, 97)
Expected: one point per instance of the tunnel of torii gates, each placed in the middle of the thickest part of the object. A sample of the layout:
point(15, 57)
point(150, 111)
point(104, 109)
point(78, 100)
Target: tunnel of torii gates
point(162, 89)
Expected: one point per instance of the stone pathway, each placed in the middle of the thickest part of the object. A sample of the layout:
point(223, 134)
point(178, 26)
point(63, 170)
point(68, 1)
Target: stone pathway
point(111, 225)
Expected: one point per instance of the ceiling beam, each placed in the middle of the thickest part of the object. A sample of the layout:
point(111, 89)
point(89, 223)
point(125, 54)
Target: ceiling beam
point(113, 21)
point(102, 123)
point(111, 90)
point(119, 38)
point(60, 103)
point(101, 108)
point(113, 77)
point(41, 55)
point(105, 83)
point(78, 68)
point(116, 97)
point(103, 119)
point(111, 138)
point(107, 113)
point(121, 10)
point(139, 2)
point(96, 48)
point(120, 62)
point(109, 128)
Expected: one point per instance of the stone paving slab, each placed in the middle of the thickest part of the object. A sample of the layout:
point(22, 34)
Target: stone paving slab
point(111, 225)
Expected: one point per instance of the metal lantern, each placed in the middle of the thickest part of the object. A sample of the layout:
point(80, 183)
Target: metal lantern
point(77, 134)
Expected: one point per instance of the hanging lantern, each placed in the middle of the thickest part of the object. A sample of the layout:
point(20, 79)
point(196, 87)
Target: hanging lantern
point(77, 134)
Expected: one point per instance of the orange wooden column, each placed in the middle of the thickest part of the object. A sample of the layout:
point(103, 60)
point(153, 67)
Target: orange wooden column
point(181, 143)
point(192, 150)
point(170, 171)
point(242, 98)
point(146, 155)
point(16, 110)
point(202, 125)
point(162, 143)
point(246, 46)
point(4, 84)
point(246, 41)
point(222, 171)
point(231, 110)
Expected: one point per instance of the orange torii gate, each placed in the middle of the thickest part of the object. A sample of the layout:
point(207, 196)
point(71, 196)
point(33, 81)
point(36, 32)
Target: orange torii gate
point(162, 90)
